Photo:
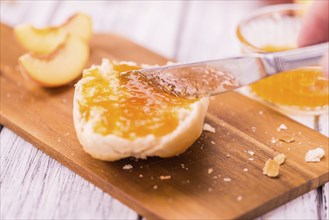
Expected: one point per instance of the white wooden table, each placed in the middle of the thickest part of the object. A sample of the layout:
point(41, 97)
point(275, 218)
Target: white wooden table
point(35, 186)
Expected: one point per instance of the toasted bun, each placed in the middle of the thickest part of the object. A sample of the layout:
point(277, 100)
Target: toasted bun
point(111, 147)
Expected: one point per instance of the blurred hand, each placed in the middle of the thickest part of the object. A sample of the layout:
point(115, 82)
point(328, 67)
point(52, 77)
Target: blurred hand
point(315, 28)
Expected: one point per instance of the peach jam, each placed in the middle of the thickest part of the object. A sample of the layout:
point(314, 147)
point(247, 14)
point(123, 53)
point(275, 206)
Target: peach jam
point(127, 105)
point(305, 88)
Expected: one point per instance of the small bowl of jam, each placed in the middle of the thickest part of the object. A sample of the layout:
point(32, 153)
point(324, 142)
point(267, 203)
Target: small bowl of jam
point(276, 28)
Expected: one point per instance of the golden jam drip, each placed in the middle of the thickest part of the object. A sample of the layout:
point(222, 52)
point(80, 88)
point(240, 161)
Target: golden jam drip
point(128, 105)
point(305, 87)
point(271, 48)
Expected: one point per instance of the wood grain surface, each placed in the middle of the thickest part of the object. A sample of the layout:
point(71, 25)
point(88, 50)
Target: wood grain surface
point(44, 117)
point(178, 29)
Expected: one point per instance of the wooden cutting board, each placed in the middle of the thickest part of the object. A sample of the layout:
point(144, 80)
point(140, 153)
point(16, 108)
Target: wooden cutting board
point(196, 189)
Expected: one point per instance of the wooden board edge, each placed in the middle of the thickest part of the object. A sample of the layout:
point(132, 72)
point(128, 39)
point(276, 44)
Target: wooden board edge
point(94, 179)
point(134, 204)
point(283, 198)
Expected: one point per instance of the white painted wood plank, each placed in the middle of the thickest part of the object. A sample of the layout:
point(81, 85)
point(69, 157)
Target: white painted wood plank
point(324, 124)
point(324, 202)
point(304, 207)
point(152, 24)
point(37, 13)
point(209, 29)
point(11, 12)
point(34, 186)
point(307, 120)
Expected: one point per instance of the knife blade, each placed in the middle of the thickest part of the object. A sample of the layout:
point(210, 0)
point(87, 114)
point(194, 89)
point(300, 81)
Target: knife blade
point(206, 78)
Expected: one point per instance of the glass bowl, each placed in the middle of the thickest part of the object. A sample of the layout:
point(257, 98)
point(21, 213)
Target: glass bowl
point(276, 28)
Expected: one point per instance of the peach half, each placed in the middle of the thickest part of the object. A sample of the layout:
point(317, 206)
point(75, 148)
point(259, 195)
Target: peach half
point(59, 67)
point(46, 40)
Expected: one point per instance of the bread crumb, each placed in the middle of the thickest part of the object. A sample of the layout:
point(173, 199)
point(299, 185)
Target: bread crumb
point(280, 158)
point(210, 170)
point(155, 187)
point(227, 179)
point(213, 142)
point(239, 198)
point(228, 156)
point(273, 140)
point(314, 155)
point(208, 127)
point(165, 177)
point(287, 139)
point(253, 129)
point(245, 169)
point(140, 175)
point(260, 112)
point(271, 168)
point(127, 167)
point(282, 127)
point(251, 159)
point(209, 189)
point(251, 152)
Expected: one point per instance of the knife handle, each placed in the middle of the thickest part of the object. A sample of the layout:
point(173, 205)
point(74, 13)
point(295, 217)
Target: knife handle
point(293, 59)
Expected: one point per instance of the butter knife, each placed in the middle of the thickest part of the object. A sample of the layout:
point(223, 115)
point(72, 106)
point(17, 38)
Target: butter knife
point(206, 78)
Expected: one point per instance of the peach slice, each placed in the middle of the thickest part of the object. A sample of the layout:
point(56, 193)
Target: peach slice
point(46, 40)
point(80, 25)
point(40, 41)
point(59, 67)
